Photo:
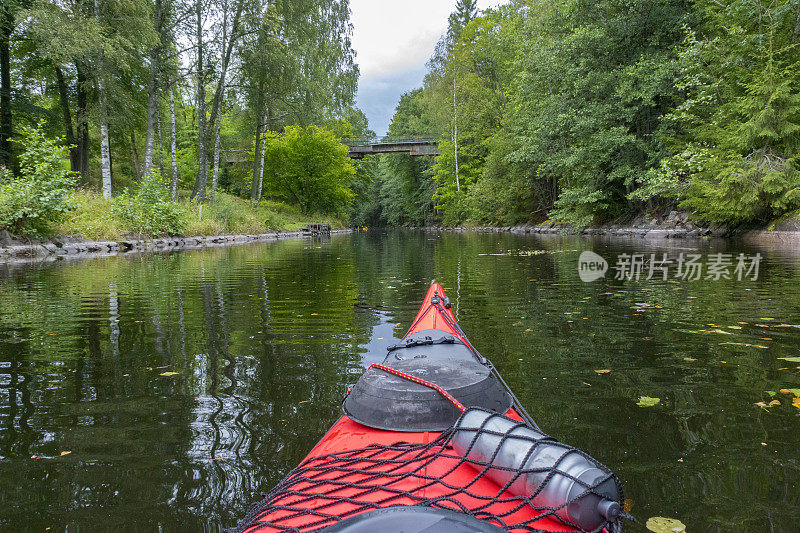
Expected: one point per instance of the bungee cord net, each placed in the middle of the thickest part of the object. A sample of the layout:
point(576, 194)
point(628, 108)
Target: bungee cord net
point(327, 489)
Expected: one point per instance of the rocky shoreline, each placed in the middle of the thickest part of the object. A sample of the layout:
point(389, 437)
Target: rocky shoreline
point(15, 249)
point(675, 225)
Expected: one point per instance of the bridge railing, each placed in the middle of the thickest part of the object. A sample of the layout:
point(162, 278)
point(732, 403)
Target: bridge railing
point(396, 139)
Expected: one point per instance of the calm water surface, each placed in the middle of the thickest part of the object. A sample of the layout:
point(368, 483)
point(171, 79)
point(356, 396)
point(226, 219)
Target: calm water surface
point(168, 392)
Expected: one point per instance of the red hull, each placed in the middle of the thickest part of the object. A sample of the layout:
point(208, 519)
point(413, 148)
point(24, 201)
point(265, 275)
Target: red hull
point(347, 434)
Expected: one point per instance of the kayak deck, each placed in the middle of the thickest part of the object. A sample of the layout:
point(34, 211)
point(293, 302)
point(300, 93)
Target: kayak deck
point(365, 463)
point(355, 469)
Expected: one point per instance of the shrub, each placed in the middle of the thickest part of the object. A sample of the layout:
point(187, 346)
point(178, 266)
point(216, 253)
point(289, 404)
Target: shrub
point(40, 195)
point(149, 210)
point(310, 167)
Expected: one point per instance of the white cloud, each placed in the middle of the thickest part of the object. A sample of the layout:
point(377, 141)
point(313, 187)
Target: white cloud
point(393, 41)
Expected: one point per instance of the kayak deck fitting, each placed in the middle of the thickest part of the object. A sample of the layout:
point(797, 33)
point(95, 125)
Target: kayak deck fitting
point(433, 439)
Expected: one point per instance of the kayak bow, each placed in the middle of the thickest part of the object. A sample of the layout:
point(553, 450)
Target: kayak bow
point(433, 439)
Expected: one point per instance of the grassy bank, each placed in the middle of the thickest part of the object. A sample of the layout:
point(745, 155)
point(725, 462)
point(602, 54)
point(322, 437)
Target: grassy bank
point(95, 218)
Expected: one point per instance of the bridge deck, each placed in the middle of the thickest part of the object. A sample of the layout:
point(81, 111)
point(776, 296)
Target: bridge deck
point(358, 148)
point(412, 145)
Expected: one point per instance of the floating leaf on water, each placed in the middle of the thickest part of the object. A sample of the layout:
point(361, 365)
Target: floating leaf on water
point(748, 345)
point(167, 374)
point(793, 392)
point(771, 392)
point(646, 401)
point(763, 318)
point(734, 327)
point(761, 404)
point(796, 402)
point(774, 403)
point(627, 505)
point(604, 371)
point(690, 359)
point(791, 359)
point(659, 524)
point(65, 452)
point(587, 384)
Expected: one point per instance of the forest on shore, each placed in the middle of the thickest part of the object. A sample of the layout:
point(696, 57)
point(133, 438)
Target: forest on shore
point(130, 116)
point(587, 112)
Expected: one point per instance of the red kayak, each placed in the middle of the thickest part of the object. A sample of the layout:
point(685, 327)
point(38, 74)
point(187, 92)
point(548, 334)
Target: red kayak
point(433, 440)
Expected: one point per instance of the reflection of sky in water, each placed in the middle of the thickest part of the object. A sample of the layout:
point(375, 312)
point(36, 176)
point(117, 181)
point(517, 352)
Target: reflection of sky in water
point(183, 386)
point(381, 337)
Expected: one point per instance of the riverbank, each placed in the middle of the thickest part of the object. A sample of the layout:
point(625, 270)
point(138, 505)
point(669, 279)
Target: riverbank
point(15, 250)
point(674, 225)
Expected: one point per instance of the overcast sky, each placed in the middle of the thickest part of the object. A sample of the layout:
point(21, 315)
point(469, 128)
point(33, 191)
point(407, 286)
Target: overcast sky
point(393, 41)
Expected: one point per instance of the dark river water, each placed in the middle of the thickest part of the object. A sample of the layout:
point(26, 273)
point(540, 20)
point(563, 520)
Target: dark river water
point(166, 393)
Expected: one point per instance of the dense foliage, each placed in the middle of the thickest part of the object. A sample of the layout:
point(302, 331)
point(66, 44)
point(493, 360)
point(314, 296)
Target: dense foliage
point(583, 112)
point(189, 88)
point(40, 194)
point(578, 112)
point(309, 167)
point(149, 210)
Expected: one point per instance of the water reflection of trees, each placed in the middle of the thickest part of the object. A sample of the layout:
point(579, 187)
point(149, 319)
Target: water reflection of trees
point(264, 338)
point(261, 339)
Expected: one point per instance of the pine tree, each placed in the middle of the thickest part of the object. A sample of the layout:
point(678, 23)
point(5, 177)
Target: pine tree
point(466, 11)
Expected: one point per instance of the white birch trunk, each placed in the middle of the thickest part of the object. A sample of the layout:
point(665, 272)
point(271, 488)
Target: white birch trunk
point(261, 166)
point(455, 132)
point(173, 147)
point(105, 150)
point(215, 174)
point(160, 145)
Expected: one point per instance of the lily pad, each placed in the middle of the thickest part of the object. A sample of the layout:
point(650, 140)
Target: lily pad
point(660, 524)
point(791, 359)
point(646, 401)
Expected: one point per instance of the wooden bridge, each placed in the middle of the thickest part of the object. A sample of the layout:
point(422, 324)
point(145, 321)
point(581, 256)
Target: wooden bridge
point(415, 145)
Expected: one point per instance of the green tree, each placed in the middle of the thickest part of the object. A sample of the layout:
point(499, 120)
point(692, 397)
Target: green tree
point(467, 98)
point(465, 12)
point(310, 167)
point(737, 130)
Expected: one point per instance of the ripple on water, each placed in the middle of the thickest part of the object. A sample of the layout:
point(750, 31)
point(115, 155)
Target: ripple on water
point(185, 385)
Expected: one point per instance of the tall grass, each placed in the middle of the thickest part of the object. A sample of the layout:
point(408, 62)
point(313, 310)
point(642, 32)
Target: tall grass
point(94, 218)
